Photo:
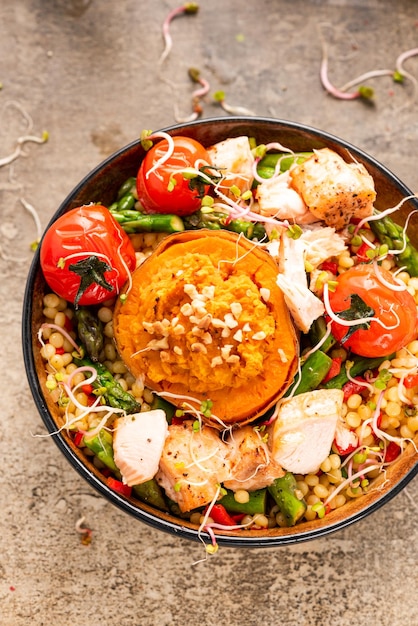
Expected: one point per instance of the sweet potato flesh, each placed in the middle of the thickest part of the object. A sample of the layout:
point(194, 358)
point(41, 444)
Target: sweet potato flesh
point(205, 319)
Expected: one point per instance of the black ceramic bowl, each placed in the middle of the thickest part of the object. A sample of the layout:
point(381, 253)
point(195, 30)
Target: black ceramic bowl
point(101, 185)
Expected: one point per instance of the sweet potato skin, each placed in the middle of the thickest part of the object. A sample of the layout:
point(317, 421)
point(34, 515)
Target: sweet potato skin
point(194, 304)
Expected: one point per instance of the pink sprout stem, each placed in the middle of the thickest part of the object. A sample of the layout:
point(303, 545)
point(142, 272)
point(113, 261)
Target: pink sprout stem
point(330, 88)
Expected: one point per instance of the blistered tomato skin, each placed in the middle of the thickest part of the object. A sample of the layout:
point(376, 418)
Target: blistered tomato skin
point(87, 235)
point(396, 311)
point(165, 190)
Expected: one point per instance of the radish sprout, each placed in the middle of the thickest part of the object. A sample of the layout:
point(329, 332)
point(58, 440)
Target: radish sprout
point(83, 530)
point(199, 93)
point(35, 216)
point(166, 155)
point(362, 92)
point(219, 97)
point(189, 8)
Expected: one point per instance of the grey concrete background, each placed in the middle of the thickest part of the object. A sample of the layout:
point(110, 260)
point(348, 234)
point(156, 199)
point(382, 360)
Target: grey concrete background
point(86, 71)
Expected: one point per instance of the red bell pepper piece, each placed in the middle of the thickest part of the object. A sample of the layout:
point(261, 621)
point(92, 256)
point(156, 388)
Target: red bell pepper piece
point(329, 266)
point(220, 515)
point(177, 421)
point(352, 387)
point(334, 370)
point(362, 252)
point(68, 324)
point(78, 439)
point(411, 381)
point(119, 486)
point(87, 389)
point(348, 450)
point(392, 452)
point(59, 351)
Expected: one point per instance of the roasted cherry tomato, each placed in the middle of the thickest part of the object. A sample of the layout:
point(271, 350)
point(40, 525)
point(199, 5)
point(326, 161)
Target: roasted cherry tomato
point(361, 294)
point(85, 255)
point(165, 190)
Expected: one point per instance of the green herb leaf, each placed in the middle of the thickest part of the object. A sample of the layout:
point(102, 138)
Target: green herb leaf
point(358, 310)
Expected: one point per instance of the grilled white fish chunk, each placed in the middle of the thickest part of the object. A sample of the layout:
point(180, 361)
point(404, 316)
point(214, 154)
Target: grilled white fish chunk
point(302, 434)
point(138, 441)
point(234, 157)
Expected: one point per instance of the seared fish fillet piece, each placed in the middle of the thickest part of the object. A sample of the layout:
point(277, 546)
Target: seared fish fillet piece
point(192, 465)
point(334, 190)
point(251, 464)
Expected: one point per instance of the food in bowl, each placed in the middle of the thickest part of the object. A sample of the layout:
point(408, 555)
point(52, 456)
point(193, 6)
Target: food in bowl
point(329, 411)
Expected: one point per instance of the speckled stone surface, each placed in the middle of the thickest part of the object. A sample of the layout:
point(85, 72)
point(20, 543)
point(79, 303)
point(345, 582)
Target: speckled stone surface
point(86, 71)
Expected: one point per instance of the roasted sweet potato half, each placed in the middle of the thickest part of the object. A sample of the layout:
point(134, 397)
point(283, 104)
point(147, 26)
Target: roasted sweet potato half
point(204, 320)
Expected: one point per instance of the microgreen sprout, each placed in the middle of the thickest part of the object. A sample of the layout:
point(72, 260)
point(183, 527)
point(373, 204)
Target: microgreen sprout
point(206, 408)
point(219, 97)
point(294, 231)
point(189, 8)
point(145, 142)
point(382, 379)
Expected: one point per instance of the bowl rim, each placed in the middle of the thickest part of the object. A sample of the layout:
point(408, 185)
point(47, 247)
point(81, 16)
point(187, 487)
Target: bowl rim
point(124, 504)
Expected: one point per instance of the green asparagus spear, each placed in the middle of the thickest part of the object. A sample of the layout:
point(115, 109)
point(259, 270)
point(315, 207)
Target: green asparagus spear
point(106, 386)
point(318, 331)
point(283, 491)
point(391, 234)
point(267, 165)
point(255, 505)
point(151, 493)
point(90, 332)
point(359, 366)
point(168, 408)
point(313, 371)
point(102, 446)
point(126, 187)
point(216, 221)
point(137, 222)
